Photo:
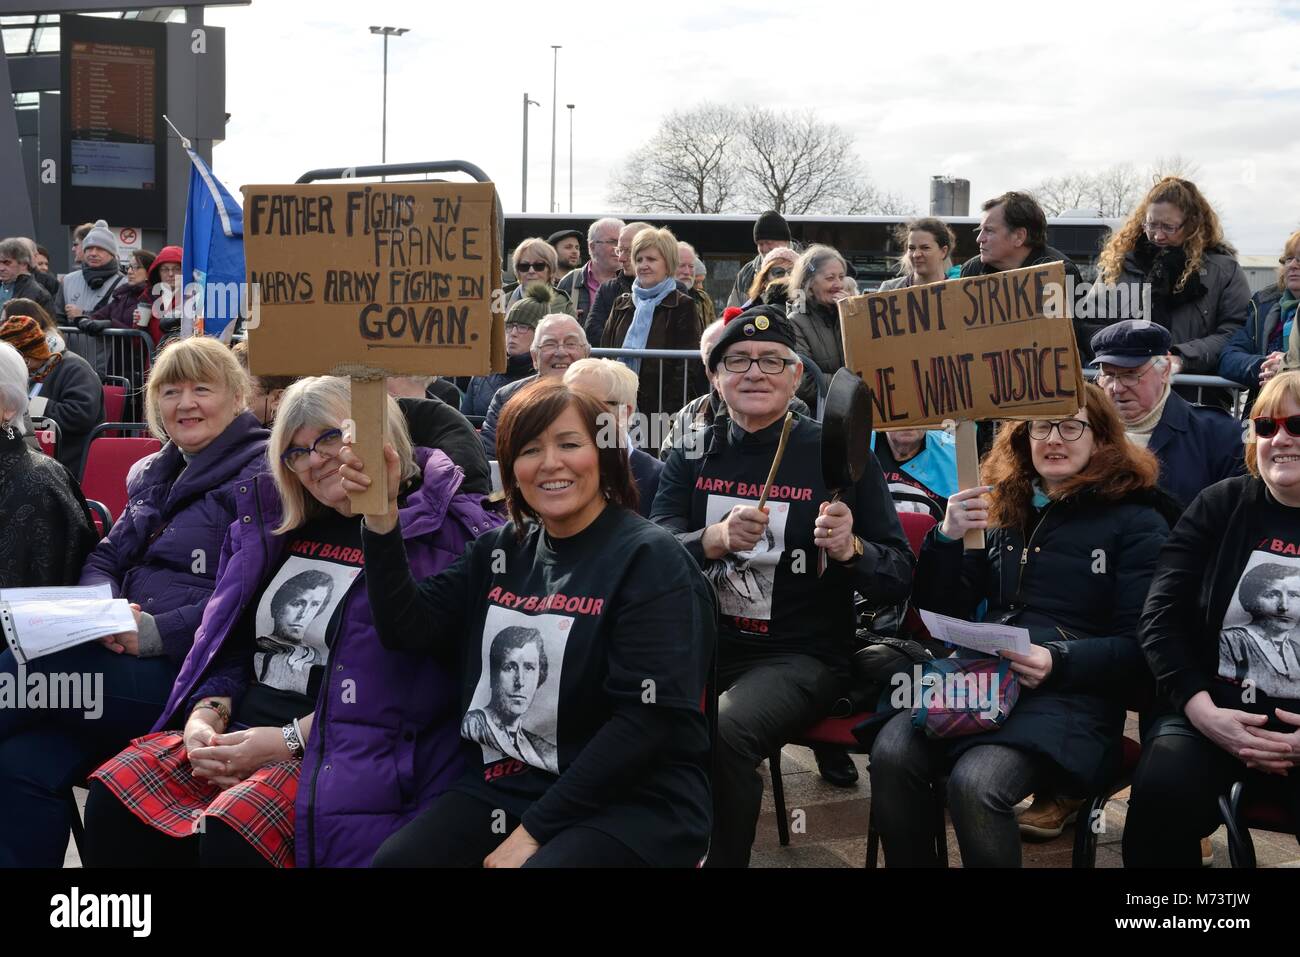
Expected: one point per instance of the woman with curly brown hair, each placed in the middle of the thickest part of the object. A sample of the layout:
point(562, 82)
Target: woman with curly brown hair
point(1075, 522)
point(1174, 244)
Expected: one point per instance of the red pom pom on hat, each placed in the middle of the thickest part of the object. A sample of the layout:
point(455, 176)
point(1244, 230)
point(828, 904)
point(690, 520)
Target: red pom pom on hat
point(731, 312)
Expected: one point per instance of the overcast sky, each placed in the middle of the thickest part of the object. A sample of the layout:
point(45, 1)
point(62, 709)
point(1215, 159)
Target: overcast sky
point(1001, 93)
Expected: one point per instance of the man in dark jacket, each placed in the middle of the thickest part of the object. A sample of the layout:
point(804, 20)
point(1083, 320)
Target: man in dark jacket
point(1013, 234)
point(435, 425)
point(784, 628)
point(1196, 446)
point(583, 284)
point(770, 231)
point(594, 324)
point(16, 279)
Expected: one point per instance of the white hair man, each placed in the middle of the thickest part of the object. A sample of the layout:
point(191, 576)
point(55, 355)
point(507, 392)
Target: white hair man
point(782, 627)
point(558, 343)
point(582, 283)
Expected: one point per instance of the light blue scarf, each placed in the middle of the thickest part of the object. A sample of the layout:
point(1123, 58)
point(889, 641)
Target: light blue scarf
point(645, 302)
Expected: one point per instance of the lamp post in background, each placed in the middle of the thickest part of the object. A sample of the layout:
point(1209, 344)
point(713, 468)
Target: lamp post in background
point(386, 32)
point(569, 107)
point(527, 104)
point(555, 75)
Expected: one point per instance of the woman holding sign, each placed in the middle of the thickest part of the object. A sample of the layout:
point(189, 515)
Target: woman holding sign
point(1074, 522)
point(1219, 630)
point(291, 735)
point(584, 636)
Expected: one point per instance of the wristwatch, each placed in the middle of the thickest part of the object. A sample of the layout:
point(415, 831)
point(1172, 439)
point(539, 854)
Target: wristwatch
point(858, 551)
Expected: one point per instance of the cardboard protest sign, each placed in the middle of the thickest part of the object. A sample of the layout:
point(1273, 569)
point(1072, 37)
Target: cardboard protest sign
point(373, 279)
point(369, 280)
point(999, 346)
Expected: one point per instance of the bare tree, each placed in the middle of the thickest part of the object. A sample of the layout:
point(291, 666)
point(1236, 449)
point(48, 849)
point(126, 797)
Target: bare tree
point(796, 163)
point(687, 167)
point(1110, 192)
point(1176, 164)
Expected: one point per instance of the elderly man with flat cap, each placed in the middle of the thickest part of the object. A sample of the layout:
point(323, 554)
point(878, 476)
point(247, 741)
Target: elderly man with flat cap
point(1197, 446)
point(785, 623)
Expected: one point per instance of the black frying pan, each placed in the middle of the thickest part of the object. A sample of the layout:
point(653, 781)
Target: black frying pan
point(846, 432)
point(846, 437)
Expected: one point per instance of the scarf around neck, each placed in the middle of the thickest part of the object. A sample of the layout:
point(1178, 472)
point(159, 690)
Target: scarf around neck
point(96, 277)
point(645, 301)
point(1139, 432)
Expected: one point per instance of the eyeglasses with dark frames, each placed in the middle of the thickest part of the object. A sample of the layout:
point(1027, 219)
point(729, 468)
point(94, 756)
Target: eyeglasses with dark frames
point(1070, 430)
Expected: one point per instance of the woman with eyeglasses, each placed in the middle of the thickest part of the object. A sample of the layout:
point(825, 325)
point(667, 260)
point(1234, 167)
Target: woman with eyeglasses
point(291, 736)
point(1074, 522)
point(1260, 349)
point(534, 260)
point(1173, 246)
point(1219, 631)
point(162, 556)
point(927, 253)
point(769, 285)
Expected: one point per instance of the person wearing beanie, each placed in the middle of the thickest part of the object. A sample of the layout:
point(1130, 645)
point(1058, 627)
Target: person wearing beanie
point(84, 290)
point(783, 627)
point(770, 231)
point(61, 386)
point(538, 300)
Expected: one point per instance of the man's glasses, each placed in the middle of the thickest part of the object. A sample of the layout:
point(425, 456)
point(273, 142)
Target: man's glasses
point(739, 365)
point(1167, 229)
point(327, 445)
point(531, 267)
point(1069, 429)
point(1266, 426)
point(571, 344)
point(1128, 380)
point(604, 242)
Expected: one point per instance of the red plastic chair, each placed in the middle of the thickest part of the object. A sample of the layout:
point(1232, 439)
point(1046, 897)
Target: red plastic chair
point(839, 731)
point(108, 460)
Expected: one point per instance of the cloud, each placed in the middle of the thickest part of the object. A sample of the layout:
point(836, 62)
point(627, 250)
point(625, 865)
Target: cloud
point(1003, 96)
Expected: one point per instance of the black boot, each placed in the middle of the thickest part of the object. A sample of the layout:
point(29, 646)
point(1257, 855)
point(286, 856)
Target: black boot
point(836, 766)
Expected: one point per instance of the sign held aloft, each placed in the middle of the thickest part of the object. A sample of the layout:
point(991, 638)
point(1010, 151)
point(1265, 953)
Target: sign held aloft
point(369, 280)
point(999, 346)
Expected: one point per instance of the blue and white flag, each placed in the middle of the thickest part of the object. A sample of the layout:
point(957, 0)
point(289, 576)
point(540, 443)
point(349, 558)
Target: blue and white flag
point(213, 257)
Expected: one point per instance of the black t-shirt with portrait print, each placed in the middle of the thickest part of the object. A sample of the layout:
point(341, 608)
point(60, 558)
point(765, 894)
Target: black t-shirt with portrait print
point(287, 633)
point(583, 663)
point(1260, 639)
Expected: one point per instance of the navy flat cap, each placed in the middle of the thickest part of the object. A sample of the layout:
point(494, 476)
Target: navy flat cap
point(1130, 343)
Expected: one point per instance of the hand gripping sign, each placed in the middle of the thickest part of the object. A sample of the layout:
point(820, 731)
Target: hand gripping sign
point(999, 346)
point(370, 280)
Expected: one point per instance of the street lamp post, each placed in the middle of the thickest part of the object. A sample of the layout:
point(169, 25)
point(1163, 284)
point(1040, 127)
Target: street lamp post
point(555, 75)
point(386, 32)
point(569, 107)
point(527, 104)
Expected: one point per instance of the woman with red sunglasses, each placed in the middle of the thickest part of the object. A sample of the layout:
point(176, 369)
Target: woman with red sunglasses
point(1220, 632)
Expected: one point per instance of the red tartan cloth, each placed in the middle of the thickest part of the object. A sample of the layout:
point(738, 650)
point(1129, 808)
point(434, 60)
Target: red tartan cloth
point(152, 779)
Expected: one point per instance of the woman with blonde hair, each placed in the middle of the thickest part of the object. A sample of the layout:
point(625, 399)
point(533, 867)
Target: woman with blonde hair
point(535, 260)
point(1173, 244)
point(655, 314)
point(162, 555)
point(1218, 631)
point(276, 737)
point(1075, 521)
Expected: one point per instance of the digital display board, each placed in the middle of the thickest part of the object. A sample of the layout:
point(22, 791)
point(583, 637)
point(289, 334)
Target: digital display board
point(114, 140)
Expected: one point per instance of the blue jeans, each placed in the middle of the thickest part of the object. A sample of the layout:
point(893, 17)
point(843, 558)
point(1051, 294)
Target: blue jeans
point(984, 787)
point(45, 750)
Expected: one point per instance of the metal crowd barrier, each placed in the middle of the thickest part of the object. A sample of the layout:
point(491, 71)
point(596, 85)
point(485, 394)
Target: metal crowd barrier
point(1200, 383)
point(121, 353)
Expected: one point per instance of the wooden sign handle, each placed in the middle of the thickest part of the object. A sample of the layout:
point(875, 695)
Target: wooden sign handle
point(370, 423)
point(968, 475)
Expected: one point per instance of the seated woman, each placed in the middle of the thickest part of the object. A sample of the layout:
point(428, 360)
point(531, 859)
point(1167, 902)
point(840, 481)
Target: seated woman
point(62, 386)
point(286, 655)
point(162, 555)
point(1075, 523)
point(584, 636)
point(45, 530)
point(1258, 350)
point(1219, 632)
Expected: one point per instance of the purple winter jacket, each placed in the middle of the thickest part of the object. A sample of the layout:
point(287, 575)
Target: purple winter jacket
point(162, 553)
point(386, 737)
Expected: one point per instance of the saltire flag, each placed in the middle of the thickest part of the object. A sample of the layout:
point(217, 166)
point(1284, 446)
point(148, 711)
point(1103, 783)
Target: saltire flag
point(213, 254)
